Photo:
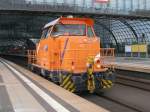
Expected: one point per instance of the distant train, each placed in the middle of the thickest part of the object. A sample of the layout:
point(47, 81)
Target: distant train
point(69, 54)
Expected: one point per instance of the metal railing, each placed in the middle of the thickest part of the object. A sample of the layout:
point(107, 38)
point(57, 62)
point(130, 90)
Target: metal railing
point(80, 57)
point(31, 54)
point(107, 57)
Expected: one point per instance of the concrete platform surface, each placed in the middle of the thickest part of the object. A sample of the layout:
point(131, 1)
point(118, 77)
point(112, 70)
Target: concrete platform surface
point(133, 64)
point(24, 91)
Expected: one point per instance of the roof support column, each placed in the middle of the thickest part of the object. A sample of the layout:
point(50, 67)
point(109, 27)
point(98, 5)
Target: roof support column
point(130, 27)
point(105, 27)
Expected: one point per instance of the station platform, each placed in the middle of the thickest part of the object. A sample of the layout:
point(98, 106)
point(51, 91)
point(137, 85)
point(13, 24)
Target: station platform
point(133, 64)
point(24, 91)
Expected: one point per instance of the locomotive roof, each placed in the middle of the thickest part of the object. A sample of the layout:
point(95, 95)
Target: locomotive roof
point(66, 20)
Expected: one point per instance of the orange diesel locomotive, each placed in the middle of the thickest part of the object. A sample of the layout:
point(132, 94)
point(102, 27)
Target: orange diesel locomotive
point(69, 54)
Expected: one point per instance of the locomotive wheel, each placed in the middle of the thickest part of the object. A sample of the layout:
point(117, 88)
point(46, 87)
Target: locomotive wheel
point(43, 73)
point(31, 68)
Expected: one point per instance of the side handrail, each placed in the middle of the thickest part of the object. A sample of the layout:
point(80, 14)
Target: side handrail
point(31, 56)
point(107, 56)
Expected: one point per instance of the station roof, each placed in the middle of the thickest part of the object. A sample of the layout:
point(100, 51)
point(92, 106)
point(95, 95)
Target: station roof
point(114, 32)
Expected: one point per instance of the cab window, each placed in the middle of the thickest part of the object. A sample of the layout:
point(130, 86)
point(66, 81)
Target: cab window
point(90, 32)
point(46, 33)
point(69, 30)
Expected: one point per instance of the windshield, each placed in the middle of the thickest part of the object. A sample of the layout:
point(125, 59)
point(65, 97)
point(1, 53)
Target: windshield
point(44, 33)
point(69, 30)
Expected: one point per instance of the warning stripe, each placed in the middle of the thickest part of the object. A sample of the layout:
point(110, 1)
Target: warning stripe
point(104, 87)
point(108, 86)
point(67, 83)
point(90, 71)
point(109, 82)
point(71, 86)
point(64, 76)
point(106, 83)
point(66, 80)
point(73, 90)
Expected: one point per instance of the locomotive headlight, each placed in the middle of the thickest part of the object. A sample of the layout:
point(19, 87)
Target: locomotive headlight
point(98, 63)
point(98, 66)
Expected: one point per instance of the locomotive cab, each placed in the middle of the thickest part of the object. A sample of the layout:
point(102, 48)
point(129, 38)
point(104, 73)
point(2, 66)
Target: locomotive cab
point(69, 53)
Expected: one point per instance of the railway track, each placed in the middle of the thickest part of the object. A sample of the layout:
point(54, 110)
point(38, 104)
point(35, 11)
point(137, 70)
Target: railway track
point(131, 82)
point(124, 104)
point(132, 108)
point(143, 84)
point(111, 104)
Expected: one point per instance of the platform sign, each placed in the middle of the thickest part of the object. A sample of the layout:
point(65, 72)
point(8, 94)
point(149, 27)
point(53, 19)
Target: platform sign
point(143, 48)
point(101, 1)
point(135, 48)
point(128, 48)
